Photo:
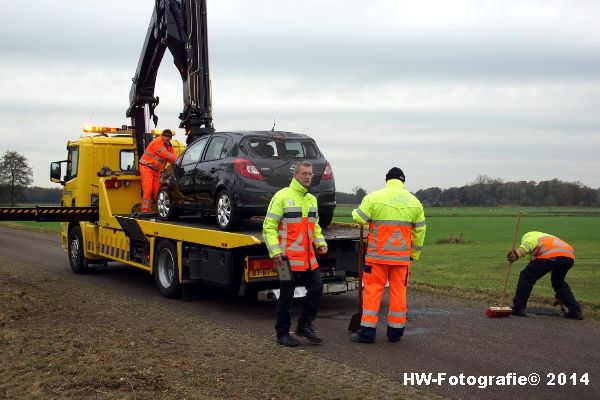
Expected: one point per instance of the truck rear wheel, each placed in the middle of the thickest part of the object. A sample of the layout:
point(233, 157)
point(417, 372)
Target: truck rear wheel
point(79, 264)
point(166, 270)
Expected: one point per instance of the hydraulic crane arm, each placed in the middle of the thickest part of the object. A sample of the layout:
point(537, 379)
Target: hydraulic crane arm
point(180, 26)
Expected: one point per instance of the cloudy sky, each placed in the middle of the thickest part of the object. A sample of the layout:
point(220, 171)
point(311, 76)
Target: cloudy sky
point(446, 90)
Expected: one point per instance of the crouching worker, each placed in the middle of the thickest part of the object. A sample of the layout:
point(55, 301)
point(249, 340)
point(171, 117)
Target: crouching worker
point(548, 254)
point(291, 228)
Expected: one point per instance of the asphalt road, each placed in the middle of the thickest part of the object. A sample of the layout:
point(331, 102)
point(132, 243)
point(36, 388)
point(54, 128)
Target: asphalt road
point(444, 335)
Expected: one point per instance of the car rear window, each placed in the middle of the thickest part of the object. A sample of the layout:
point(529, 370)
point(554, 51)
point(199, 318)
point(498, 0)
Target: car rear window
point(289, 148)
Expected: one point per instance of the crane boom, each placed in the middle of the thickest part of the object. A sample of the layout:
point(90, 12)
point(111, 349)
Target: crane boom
point(180, 26)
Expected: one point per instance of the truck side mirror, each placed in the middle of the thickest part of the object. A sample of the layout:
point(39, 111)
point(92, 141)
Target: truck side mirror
point(55, 171)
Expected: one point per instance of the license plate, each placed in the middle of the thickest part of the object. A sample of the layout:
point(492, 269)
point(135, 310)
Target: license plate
point(261, 273)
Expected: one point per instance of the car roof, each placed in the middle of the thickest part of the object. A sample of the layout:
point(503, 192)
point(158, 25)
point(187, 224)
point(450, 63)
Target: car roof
point(268, 134)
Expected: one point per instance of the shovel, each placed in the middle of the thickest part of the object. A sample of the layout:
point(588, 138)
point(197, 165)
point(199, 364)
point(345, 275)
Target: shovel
point(354, 324)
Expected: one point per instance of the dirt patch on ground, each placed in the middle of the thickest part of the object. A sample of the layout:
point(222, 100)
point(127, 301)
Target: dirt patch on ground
point(71, 340)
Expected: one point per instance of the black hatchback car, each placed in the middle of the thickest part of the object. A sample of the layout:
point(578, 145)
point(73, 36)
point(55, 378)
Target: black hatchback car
point(234, 175)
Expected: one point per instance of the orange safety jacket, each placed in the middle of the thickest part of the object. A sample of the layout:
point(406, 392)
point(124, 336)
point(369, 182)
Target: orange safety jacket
point(396, 225)
point(389, 242)
point(157, 154)
point(291, 227)
point(295, 236)
point(550, 246)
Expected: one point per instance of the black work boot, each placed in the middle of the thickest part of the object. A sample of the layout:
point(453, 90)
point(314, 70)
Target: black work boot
point(519, 312)
point(307, 330)
point(364, 335)
point(287, 341)
point(394, 334)
point(575, 314)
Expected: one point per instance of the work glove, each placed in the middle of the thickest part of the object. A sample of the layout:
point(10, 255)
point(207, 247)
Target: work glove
point(512, 256)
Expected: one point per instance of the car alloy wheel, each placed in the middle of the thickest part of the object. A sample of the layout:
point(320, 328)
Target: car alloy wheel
point(225, 212)
point(163, 203)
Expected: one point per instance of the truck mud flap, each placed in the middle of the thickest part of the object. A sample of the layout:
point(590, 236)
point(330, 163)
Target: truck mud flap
point(139, 246)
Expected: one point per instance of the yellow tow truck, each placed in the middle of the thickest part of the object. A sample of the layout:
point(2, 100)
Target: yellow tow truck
point(101, 226)
point(99, 210)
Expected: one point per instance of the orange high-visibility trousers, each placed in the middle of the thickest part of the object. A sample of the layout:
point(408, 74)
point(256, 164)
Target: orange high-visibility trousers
point(150, 186)
point(374, 284)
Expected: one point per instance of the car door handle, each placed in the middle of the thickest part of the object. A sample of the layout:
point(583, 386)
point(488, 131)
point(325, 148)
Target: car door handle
point(213, 170)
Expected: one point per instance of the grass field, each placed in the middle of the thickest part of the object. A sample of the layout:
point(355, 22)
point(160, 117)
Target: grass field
point(35, 226)
point(477, 268)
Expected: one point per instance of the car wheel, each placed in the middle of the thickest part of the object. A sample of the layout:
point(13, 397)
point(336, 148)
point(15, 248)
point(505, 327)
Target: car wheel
point(79, 264)
point(325, 218)
point(166, 209)
point(225, 211)
point(166, 270)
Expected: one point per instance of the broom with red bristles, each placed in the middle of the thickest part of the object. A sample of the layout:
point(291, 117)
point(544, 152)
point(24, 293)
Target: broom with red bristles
point(504, 311)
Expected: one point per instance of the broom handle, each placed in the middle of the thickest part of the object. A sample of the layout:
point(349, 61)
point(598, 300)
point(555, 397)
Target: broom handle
point(509, 263)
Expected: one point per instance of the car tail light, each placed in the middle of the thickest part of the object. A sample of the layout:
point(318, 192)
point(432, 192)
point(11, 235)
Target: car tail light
point(247, 169)
point(328, 173)
point(260, 263)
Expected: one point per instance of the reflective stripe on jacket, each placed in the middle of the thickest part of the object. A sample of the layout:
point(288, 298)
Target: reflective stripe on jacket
point(396, 224)
point(157, 154)
point(291, 227)
point(543, 245)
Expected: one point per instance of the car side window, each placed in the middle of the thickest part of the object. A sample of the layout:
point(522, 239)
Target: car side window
point(217, 149)
point(73, 163)
point(194, 152)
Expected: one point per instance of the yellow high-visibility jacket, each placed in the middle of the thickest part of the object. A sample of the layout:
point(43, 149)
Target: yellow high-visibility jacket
point(291, 226)
point(396, 224)
point(543, 245)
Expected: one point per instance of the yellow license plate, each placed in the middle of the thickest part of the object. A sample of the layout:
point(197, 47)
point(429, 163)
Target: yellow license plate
point(261, 273)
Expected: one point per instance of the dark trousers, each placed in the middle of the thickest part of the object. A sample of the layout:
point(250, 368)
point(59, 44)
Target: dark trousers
point(314, 290)
point(536, 269)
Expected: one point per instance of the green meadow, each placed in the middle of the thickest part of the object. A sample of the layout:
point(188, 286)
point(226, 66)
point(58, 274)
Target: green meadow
point(34, 226)
point(475, 265)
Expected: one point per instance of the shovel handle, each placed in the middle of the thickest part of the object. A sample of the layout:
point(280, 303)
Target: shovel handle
point(361, 257)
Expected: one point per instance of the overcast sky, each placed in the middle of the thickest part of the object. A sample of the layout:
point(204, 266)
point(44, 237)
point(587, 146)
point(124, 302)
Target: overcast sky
point(445, 90)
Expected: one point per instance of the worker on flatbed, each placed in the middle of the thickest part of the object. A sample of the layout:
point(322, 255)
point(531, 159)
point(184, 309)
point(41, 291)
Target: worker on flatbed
point(548, 254)
point(291, 228)
point(396, 235)
point(153, 161)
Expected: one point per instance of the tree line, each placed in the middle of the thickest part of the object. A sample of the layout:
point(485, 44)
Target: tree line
point(486, 191)
point(16, 175)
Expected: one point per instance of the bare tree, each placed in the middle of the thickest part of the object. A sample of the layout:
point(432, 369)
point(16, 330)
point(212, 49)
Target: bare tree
point(359, 193)
point(15, 173)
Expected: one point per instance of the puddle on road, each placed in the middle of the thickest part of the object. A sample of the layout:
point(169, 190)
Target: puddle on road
point(417, 331)
point(345, 316)
point(412, 312)
point(428, 311)
point(339, 315)
point(546, 312)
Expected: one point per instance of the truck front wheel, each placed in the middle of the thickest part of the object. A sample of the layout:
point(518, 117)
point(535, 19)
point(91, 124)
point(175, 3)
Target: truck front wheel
point(79, 264)
point(166, 270)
